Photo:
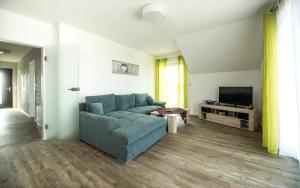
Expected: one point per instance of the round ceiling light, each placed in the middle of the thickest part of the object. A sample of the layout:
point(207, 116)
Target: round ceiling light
point(3, 51)
point(154, 13)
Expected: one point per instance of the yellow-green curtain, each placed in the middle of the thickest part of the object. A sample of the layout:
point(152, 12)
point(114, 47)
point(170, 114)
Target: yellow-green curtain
point(270, 86)
point(161, 79)
point(182, 83)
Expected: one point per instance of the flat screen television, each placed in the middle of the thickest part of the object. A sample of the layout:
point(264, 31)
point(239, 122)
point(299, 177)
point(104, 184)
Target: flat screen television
point(237, 96)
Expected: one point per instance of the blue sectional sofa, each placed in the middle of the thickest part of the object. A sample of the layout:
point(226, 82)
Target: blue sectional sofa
point(120, 125)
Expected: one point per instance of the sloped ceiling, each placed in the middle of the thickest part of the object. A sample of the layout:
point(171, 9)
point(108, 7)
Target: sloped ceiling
point(213, 35)
point(231, 47)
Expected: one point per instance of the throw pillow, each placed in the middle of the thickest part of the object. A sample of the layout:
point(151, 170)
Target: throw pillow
point(150, 100)
point(95, 108)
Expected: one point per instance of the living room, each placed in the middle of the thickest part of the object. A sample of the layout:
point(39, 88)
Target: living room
point(135, 93)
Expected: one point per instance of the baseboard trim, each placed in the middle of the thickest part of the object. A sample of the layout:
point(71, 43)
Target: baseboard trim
point(38, 124)
point(24, 113)
point(194, 116)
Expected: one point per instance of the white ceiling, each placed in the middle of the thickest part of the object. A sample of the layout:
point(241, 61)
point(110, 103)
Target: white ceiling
point(17, 52)
point(120, 20)
point(232, 47)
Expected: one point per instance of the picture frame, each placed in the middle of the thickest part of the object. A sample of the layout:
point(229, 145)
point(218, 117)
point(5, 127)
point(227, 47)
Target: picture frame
point(120, 67)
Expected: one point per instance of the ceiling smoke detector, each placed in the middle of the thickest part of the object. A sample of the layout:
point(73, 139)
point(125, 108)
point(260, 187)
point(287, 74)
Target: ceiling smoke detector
point(153, 13)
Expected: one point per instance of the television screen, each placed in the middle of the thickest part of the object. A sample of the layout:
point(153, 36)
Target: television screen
point(241, 96)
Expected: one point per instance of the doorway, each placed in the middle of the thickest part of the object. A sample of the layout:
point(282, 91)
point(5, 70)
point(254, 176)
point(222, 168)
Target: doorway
point(21, 104)
point(6, 95)
point(56, 88)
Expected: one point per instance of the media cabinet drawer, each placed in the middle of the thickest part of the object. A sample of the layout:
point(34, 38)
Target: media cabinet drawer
point(229, 121)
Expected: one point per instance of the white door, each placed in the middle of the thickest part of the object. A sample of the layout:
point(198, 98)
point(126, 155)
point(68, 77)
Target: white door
point(61, 92)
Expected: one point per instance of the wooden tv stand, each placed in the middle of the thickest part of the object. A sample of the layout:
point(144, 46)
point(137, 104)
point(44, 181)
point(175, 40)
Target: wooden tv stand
point(242, 118)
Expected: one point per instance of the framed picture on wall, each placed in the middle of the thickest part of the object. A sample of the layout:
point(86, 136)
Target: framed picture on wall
point(120, 67)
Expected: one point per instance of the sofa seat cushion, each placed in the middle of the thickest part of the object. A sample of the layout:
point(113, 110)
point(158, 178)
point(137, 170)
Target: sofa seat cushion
point(132, 126)
point(108, 102)
point(144, 109)
point(139, 118)
point(124, 102)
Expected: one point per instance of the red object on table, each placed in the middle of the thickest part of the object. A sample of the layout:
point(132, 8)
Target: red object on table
point(180, 111)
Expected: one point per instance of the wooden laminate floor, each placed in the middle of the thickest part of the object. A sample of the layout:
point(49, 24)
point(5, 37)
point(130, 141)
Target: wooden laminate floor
point(201, 155)
point(16, 128)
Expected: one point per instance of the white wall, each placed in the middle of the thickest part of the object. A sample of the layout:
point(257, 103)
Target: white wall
point(95, 70)
point(95, 57)
point(95, 64)
point(24, 91)
point(24, 30)
point(206, 86)
point(19, 29)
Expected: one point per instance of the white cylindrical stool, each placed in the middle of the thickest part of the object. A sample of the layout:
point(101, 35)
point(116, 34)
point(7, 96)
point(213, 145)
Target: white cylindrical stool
point(172, 123)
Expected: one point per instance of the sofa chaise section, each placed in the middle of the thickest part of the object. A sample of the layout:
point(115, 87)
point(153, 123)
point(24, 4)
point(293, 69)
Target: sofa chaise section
point(119, 132)
point(122, 138)
point(96, 130)
point(133, 138)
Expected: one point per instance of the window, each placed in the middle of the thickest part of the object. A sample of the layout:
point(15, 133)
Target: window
point(288, 58)
point(172, 83)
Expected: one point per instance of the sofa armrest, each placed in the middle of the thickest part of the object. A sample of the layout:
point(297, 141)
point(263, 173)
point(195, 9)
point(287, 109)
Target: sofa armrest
point(97, 122)
point(157, 103)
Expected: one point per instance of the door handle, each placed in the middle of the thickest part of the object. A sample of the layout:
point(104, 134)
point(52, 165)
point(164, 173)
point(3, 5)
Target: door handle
point(9, 89)
point(74, 89)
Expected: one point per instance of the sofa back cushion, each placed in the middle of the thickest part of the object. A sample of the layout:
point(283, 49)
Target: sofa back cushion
point(124, 102)
point(141, 99)
point(95, 108)
point(82, 107)
point(108, 102)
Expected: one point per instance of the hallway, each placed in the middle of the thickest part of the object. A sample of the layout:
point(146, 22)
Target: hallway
point(16, 128)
